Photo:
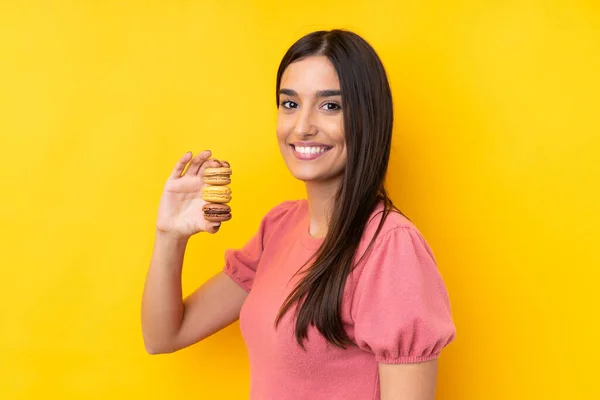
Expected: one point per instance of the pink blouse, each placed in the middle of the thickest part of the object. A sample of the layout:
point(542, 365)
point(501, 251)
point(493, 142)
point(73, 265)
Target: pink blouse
point(395, 309)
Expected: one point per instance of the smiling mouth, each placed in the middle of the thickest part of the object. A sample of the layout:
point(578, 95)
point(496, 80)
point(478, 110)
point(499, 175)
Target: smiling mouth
point(309, 152)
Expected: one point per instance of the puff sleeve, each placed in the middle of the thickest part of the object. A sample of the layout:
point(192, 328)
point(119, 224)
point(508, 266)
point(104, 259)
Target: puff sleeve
point(400, 306)
point(241, 264)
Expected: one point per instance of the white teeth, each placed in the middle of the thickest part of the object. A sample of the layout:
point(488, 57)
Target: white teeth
point(310, 150)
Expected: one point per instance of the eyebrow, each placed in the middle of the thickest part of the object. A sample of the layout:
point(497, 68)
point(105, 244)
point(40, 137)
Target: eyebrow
point(320, 93)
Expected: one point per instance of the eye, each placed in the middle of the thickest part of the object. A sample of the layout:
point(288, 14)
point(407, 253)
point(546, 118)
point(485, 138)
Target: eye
point(288, 104)
point(331, 106)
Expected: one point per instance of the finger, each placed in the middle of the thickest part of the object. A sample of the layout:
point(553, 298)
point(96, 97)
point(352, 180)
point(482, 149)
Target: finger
point(225, 164)
point(212, 163)
point(214, 228)
point(180, 166)
point(198, 161)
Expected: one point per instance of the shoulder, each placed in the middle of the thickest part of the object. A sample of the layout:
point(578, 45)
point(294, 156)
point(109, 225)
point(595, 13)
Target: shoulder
point(394, 223)
point(394, 220)
point(283, 216)
point(284, 210)
point(397, 235)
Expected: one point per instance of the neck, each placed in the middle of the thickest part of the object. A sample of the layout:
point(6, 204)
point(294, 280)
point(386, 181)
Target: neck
point(321, 198)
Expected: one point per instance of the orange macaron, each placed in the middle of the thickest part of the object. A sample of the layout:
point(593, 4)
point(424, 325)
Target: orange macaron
point(217, 176)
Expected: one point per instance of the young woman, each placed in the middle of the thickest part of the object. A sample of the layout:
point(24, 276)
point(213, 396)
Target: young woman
point(338, 295)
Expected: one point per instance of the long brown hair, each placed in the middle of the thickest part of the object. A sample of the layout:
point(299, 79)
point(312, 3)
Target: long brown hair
point(368, 120)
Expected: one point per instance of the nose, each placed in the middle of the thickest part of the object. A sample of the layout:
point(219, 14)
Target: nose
point(305, 123)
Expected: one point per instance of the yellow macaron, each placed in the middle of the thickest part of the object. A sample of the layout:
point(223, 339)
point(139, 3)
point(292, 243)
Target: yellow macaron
point(216, 194)
point(217, 176)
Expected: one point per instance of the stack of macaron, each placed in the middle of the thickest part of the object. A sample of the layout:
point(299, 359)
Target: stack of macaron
point(216, 193)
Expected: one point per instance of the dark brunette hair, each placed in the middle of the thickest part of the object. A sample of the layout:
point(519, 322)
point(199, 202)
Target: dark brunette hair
point(368, 120)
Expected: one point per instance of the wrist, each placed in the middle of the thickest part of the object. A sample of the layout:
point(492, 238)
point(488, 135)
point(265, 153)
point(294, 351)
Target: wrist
point(171, 237)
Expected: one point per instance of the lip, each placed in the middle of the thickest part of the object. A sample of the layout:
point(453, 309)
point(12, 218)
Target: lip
point(311, 156)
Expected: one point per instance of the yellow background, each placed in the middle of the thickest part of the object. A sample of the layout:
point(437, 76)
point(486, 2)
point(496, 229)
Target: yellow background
point(495, 159)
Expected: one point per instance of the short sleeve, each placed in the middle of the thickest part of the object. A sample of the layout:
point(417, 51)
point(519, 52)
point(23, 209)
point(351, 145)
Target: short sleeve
point(400, 306)
point(241, 264)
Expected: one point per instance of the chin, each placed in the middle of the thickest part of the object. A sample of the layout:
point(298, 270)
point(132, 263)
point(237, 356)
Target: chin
point(314, 176)
point(306, 178)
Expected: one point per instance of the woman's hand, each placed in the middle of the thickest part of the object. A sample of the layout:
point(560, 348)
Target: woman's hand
point(180, 211)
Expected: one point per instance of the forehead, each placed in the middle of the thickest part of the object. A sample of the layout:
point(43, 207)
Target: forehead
point(310, 75)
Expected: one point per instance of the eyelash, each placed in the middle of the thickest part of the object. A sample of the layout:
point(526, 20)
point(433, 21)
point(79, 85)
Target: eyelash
point(338, 107)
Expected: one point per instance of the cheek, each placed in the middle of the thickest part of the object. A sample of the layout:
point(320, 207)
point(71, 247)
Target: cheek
point(337, 134)
point(335, 127)
point(282, 128)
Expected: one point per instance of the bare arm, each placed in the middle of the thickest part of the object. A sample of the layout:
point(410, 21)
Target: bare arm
point(168, 322)
point(408, 381)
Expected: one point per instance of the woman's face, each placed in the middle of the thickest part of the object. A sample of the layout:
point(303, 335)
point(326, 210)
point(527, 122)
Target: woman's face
point(310, 128)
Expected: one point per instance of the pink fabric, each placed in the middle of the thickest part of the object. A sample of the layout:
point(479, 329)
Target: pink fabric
point(395, 309)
